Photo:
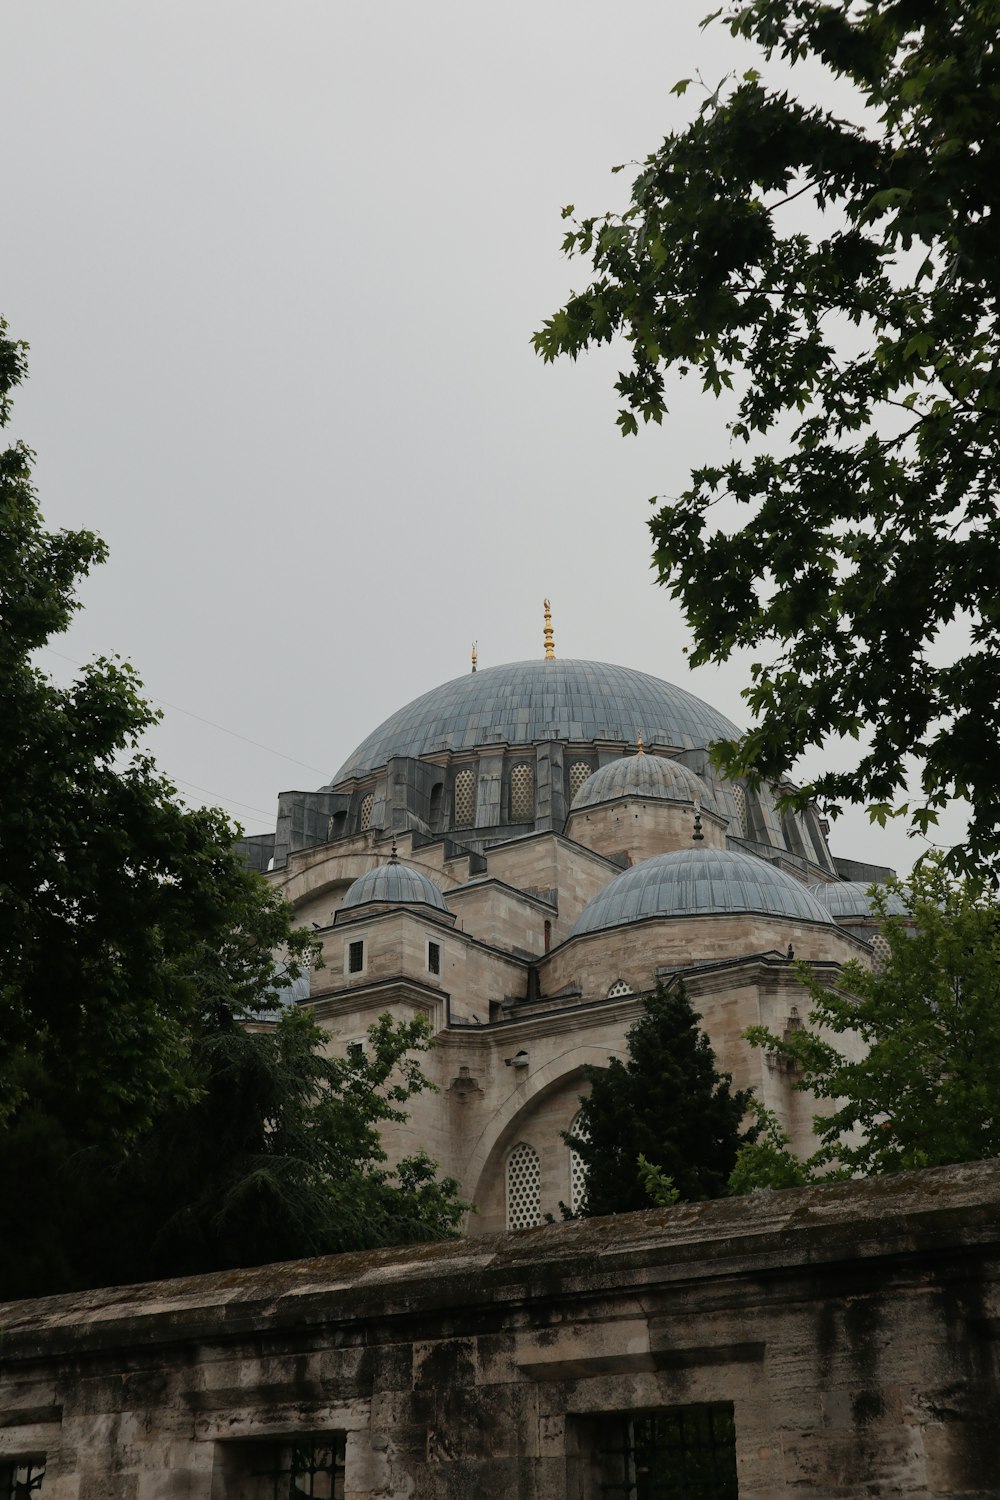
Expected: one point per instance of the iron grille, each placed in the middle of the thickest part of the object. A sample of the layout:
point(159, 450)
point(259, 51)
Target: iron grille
point(686, 1453)
point(22, 1477)
point(310, 1470)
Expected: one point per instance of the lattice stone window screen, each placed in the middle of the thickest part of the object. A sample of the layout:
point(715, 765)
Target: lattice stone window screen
point(620, 988)
point(524, 1188)
point(577, 1166)
point(465, 799)
point(579, 772)
point(522, 794)
point(740, 798)
point(881, 952)
point(367, 808)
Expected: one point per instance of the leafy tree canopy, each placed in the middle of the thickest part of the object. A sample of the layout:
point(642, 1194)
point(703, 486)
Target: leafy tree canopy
point(908, 1055)
point(143, 1128)
point(664, 1125)
point(278, 1156)
point(860, 341)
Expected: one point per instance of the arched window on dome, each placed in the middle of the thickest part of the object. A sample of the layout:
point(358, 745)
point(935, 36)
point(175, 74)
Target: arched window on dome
point(579, 772)
point(619, 988)
point(434, 809)
point(881, 952)
point(367, 808)
point(522, 794)
point(465, 798)
point(577, 1166)
point(524, 1187)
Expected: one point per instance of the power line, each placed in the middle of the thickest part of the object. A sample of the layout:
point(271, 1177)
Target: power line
point(233, 801)
point(202, 720)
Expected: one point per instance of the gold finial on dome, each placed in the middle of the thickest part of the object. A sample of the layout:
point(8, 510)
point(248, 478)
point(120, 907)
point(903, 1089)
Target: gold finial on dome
point(475, 656)
point(639, 747)
point(550, 650)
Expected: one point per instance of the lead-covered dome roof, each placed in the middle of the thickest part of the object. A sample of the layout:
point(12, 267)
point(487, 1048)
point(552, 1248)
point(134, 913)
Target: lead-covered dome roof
point(698, 882)
point(395, 883)
point(525, 701)
point(652, 777)
point(845, 899)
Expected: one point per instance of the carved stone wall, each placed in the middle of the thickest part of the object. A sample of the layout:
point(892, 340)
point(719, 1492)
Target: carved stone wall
point(847, 1334)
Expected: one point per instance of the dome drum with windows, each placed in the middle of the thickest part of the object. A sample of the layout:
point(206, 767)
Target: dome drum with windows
point(511, 750)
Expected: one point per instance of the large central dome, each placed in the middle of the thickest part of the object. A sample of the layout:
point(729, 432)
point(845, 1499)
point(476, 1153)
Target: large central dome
point(525, 701)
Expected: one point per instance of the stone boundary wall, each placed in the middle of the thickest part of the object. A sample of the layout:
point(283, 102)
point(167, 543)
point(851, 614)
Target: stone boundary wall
point(851, 1329)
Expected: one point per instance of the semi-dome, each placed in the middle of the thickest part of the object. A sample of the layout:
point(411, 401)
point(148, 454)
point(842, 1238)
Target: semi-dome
point(395, 883)
point(651, 777)
point(699, 882)
point(525, 701)
point(847, 899)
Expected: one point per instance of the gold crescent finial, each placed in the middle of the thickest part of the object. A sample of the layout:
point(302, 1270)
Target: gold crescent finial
point(475, 656)
point(550, 649)
point(639, 750)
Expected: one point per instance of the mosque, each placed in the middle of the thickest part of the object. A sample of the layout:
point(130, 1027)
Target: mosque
point(519, 855)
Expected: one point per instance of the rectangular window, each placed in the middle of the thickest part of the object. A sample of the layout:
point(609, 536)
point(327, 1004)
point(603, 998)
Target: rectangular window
point(433, 958)
point(21, 1477)
point(685, 1453)
point(356, 958)
point(356, 1050)
point(312, 1469)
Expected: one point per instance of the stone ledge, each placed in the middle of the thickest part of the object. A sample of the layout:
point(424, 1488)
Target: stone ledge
point(765, 1235)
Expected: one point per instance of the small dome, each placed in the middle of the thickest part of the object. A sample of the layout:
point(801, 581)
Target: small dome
point(396, 884)
point(845, 899)
point(698, 882)
point(652, 777)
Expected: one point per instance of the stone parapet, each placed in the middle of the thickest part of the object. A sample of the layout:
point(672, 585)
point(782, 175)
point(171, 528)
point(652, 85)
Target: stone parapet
point(847, 1331)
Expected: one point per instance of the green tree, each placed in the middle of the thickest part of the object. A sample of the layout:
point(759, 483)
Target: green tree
point(839, 278)
point(276, 1155)
point(768, 1161)
point(908, 1055)
point(120, 909)
point(135, 949)
point(664, 1124)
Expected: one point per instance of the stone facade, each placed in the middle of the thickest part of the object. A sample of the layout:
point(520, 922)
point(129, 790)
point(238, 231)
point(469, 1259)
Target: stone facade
point(840, 1340)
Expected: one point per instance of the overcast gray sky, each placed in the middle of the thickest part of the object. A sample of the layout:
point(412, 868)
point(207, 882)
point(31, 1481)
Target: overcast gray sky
point(279, 265)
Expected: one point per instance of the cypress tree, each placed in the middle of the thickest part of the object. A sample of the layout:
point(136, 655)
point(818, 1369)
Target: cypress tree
point(667, 1104)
